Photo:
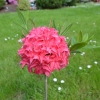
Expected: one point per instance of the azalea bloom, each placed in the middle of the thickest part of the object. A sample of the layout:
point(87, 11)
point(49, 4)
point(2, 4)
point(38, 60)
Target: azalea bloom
point(44, 51)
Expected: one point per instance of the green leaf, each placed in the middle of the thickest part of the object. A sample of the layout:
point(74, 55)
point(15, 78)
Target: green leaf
point(85, 37)
point(63, 30)
point(77, 46)
point(73, 40)
point(21, 27)
point(59, 28)
point(33, 23)
point(21, 16)
point(90, 38)
point(54, 25)
point(50, 24)
point(69, 42)
point(80, 36)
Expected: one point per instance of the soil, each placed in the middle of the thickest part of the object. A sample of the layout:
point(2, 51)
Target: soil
point(8, 8)
point(11, 8)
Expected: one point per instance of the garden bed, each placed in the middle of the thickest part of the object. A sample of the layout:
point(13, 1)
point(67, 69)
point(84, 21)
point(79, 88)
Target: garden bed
point(8, 8)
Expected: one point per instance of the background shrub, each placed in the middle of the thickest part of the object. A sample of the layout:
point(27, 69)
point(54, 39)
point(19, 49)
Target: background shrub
point(24, 5)
point(70, 2)
point(49, 4)
point(1, 3)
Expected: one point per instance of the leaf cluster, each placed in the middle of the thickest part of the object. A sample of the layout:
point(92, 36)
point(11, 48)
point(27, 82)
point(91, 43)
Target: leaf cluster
point(74, 44)
point(27, 23)
point(81, 41)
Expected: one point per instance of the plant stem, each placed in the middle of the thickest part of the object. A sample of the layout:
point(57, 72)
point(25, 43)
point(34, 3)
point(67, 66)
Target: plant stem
point(45, 88)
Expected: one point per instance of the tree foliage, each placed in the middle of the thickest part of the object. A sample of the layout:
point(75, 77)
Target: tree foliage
point(2, 2)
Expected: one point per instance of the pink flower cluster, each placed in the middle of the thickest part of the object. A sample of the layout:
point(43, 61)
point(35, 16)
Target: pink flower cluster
point(44, 51)
point(13, 2)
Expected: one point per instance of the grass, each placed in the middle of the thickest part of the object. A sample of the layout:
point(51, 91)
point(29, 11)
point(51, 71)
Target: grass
point(79, 84)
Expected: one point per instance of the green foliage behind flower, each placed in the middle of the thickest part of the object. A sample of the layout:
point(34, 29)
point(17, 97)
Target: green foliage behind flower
point(49, 4)
point(70, 2)
point(1, 3)
point(24, 5)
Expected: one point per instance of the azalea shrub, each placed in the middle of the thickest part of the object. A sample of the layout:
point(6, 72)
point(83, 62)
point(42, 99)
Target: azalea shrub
point(44, 48)
point(49, 4)
point(2, 2)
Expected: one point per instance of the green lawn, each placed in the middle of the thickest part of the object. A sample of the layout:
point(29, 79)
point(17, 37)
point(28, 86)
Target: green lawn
point(80, 82)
